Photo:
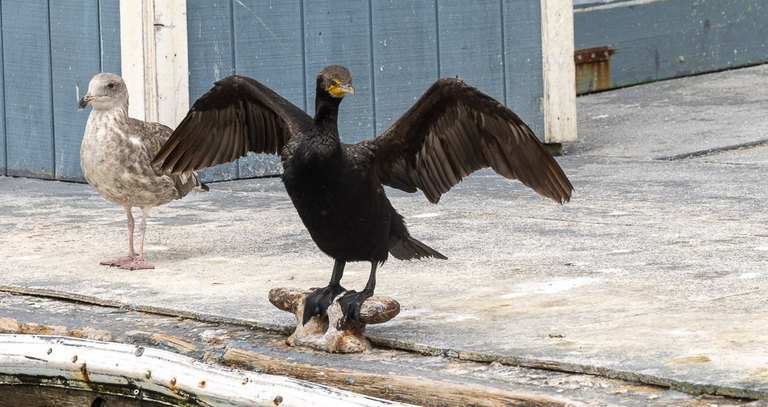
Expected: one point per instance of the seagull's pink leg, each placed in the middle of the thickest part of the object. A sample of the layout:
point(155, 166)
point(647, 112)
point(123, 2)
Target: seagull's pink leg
point(131, 254)
point(140, 264)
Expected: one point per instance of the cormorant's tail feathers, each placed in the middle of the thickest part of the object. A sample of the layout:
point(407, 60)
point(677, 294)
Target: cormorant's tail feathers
point(410, 248)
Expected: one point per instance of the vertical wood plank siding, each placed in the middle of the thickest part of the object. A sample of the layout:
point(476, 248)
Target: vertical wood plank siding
point(74, 60)
point(394, 49)
point(338, 32)
point(471, 44)
point(3, 166)
point(273, 28)
point(211, 57)
point(49, 47)
point(405, 59)
point(109, 31)
point(668, 38)
point(28, 104)
point(522, 63)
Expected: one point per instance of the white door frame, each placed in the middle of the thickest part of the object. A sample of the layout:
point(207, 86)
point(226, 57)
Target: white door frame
point(155, 66)
point(557, 48)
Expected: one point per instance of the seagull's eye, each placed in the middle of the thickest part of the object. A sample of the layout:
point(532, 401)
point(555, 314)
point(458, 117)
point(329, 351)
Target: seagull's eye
point(335, 82)
point(111, 85)
point(350, 81)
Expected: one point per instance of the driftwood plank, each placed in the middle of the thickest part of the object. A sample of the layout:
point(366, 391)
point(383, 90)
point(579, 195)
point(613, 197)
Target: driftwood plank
point(404, 389)
point(152, 374)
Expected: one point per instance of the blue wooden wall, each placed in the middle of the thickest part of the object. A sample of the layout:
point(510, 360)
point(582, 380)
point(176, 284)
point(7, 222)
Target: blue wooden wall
point(654, 40)
point(394, 49)
point(3, 165)
point(49, 47)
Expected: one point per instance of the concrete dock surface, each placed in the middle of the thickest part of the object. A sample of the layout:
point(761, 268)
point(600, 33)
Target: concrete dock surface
point(655, 272)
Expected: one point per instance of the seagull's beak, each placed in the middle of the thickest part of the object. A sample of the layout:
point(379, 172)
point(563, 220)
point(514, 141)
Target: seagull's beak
point(338, 91)
point(85, 101)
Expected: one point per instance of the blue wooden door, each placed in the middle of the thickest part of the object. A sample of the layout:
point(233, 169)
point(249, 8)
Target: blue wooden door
point(49, 47)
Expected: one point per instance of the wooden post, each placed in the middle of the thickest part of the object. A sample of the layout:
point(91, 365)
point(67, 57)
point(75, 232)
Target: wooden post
point(153, 40)
point(559, 71)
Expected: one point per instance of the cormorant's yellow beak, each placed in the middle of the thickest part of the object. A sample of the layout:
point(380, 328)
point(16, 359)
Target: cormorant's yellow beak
point(338, 91)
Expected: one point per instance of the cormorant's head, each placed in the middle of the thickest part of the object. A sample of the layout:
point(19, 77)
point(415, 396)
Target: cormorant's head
point(105, 91)
point(335, 80)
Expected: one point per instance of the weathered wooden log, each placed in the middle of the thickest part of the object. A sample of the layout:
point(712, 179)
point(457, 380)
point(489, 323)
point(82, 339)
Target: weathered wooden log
point(414, 389)
point(331, 332)
point(155, 375)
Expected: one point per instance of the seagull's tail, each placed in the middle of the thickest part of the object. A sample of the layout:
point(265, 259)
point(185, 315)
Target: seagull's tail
point(410, 248)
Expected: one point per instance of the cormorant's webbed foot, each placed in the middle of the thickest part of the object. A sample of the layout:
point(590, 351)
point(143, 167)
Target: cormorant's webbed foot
point(351, 302)
point(319, 301)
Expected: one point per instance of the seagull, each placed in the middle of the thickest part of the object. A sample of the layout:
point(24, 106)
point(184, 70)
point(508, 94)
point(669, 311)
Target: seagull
point(116, 155)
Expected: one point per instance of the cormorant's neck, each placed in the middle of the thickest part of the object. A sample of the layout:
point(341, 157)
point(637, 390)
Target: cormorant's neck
point(326, 108)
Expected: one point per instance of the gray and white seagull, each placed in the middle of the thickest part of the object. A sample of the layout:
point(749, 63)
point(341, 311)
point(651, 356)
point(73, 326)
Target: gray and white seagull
point(116, 156)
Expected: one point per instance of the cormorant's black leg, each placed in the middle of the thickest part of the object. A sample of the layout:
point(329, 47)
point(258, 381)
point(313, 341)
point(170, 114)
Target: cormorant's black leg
point(319, 301)
point(351, 301)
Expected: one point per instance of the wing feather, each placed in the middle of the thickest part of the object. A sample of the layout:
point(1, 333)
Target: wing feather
point(236, 116)
point(455, 130)
point(210, 151)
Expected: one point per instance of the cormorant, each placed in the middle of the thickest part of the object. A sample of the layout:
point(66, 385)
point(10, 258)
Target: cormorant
point(337, 188)
point(115, 157)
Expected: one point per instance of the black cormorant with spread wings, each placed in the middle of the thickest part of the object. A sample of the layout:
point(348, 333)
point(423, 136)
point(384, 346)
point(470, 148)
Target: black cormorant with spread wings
point(452, 131)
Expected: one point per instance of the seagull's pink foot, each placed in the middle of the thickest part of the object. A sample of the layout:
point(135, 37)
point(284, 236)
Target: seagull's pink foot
point(137, 265)
point(118, 262)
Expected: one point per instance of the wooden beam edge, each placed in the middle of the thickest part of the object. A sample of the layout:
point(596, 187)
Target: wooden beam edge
point(403, 389)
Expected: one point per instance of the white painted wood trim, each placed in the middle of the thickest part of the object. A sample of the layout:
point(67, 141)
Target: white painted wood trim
point(172, 61)
point(155, 66)
point(559, 70)
point(83, 363)
point(132, 55)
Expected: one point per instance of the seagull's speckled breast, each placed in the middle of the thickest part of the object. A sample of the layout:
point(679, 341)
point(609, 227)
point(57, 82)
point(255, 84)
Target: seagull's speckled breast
point(115, 157)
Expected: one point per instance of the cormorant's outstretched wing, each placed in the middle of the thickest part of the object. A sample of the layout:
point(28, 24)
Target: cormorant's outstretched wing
point(454, 130)
point(236, 116)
